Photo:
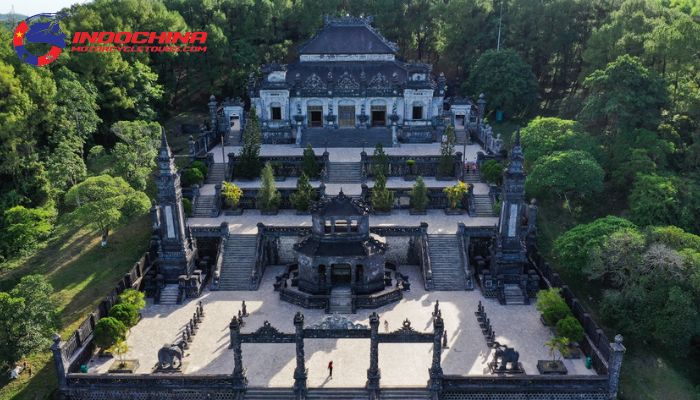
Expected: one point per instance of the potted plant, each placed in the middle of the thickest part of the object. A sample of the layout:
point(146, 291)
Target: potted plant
point(122, 366)
point(309, 165)
point(382, 198)
point(551, 306)
point(380, 161)
point(268, 195)
point(108, 331)
point(410, 170)
point(419, 197)
point(554, 366)
point(305, 194)
point(232, 194)
point(569, 328)
point(455, 194)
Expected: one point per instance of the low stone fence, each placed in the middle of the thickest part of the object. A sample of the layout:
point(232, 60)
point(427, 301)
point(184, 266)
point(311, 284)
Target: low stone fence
point(423, 165)
point(283, 166)
point(564, 387)
point(148, 386)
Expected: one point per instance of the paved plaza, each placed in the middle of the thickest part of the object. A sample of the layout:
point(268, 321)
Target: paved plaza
point(272, 365)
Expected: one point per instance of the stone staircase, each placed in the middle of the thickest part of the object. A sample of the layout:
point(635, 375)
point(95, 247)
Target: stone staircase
point(269, 394)
point(337, 394)
point(513, 294)
point(405, 394)
point(216, 173)
point(446, 263)
point(238, 264)
point(472, 177)
point(345, 172)
point(461, 136)
point(168, 295)
point(203, 206)
point(341, 300)
point(483, 205)
point(344, 137)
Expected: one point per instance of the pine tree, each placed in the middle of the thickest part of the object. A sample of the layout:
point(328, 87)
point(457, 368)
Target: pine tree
point(380, 161)
point(268, 195)
point(382, 198)
point(419, 195)
point(447, 148)
point(309, 165)
point(305, 194)
point(249, 158)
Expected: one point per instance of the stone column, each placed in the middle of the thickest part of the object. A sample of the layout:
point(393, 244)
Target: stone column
point(300, 370)
point(298, 138)
point(60, 361)
point(239, 378)
point(394, 139)
point(212, 112)
point(614, 366)
point(373, 373)
point(435, 382)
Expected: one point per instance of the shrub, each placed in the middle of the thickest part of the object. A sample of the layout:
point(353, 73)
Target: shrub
point(309, 165)
point(380, 161)
point(187, 206)
point(552, 306)
point(231, 194)
point(492, 171)
point(125, 313)
point(109, 331)
point(192, 176)
point(268, 195)
point(201, 166)
point(382, 198)
point(419, 195)
point(133, 297)
point(570, 328)
point(455, 193)
point(411, 164)
point(301, 199)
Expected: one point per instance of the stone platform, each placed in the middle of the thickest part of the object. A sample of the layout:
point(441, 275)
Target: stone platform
point(272, 365)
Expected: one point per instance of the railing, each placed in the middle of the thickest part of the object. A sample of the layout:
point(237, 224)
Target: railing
point(423, 165)
point(216, 274)
point(526, 384)
point(260, 259)
point(464, 257)
point(424, 255)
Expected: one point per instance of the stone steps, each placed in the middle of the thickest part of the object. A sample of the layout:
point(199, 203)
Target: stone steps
point(269, 394)
point(337, 394)
point(446, 262)
point(216, 173)
point(346, 137)
point(513, 294)
point(203, 206)
point(340, 301)
point(405, 394)
point(472, 177)
point(168, 295)
point(483, 205)
point(345, 172)
point(238, 264)
point(461, 136)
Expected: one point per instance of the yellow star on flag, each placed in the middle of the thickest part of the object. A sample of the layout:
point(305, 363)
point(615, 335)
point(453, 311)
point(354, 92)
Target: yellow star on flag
point(19, 34)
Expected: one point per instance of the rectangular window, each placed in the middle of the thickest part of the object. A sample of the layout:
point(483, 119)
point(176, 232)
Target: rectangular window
point(417, 112)
point(353, 226)
point(341, 226)
point(276, 113)
point(327, 226)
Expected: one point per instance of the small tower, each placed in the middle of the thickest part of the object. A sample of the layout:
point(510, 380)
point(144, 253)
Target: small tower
point(176, 251)
point(509, 260)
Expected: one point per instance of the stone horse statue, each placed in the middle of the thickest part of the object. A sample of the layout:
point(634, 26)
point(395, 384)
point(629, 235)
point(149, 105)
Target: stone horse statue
point(503, 356)
point(170, 357)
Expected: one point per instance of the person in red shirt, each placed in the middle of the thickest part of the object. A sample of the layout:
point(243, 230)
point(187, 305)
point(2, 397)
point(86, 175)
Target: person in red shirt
point(330, 370)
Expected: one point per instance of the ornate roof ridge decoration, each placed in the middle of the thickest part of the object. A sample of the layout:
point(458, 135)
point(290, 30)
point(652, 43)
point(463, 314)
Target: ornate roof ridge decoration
point(314, 82)
point(347, 82)
point(267, 330)
point(406, 328)
point(336, 321)
point(348, 20)
point(360, 206)
point(378, 81)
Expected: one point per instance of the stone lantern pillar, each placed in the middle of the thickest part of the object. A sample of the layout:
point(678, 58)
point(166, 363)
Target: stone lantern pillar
point(300, 370)
point(373, 373)
point(435, 371)
point(239, 379)
point(614, 366)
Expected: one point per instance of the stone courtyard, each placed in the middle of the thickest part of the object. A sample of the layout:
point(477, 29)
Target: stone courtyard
point(272, 365)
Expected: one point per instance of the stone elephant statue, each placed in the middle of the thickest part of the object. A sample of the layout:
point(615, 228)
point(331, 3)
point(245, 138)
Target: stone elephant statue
point(170, 357)
point(505, 355)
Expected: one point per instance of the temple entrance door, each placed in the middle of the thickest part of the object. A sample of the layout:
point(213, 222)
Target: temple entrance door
point(346, 116)
point(315, 115)
point(378, 115)
point(341, 274)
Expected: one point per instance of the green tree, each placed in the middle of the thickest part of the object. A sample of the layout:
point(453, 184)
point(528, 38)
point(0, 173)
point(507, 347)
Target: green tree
point(570, 328)
point(134, 297)
point(552, 306)
point(65, 167)
point(566, 174)
point(419, 195)
point(28, 318)
point(382, 198)
point(231, 194)
point(571, 249)
point(380, 161)
point(492, 171)
point(135, 154)
point(304, 195)
point(506, 79)
point(268, 195)
point(125, 313)
point(109, 331)
point(192, 176)
point(617, 260)
point(309, 165)
point(447, 149)
point(23, 229)
point(248, 165)
point(654, 200)
point(104, 202)
point(545, 135)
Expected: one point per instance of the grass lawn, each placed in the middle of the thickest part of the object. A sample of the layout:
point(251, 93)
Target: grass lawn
point(81, 273)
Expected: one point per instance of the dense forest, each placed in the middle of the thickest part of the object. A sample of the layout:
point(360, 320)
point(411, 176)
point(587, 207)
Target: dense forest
point(607, 93)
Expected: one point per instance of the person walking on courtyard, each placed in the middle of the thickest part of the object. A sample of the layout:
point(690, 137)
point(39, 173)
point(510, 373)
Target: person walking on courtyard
point(386, 326)
point(330, 369)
